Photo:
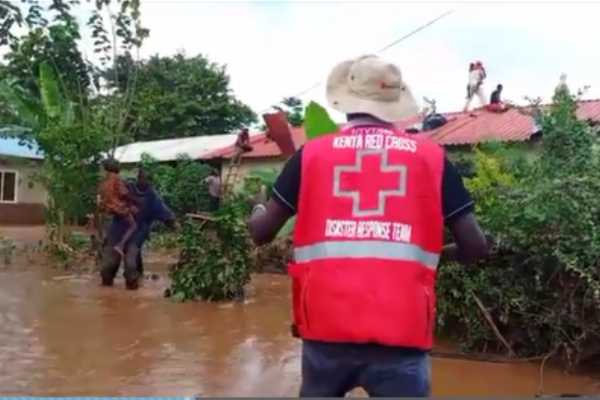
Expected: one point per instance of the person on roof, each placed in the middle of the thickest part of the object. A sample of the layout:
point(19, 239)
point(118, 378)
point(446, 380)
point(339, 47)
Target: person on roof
point(242, 143)
point(479, 65)
point(477, 75)
point(496, 104)
point(471, 68)
point(371, 204)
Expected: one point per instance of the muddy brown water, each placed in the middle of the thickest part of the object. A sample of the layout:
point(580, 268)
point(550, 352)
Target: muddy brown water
point(63, 335)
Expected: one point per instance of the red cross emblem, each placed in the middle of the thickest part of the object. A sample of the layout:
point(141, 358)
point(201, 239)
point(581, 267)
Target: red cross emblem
point(357, 182)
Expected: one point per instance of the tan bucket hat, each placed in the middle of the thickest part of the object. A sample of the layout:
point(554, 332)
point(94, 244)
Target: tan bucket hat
point(373, 86)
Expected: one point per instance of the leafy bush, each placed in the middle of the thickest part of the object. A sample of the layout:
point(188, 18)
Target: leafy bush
point(214, 262)
point(541, 289)
point(180, 183)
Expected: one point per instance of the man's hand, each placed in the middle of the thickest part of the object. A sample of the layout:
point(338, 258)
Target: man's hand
point(259, 198)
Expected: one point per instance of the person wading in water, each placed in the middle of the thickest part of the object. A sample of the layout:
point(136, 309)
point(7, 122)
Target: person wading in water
point(115, 200)
point(371, 203)
point(151, 207)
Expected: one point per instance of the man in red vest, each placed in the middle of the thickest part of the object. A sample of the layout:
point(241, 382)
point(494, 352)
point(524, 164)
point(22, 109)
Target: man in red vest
point(371, 205)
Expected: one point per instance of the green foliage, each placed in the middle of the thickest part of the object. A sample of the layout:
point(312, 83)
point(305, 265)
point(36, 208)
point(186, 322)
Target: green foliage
point(53, 34)
point(181, 183)
point(542, 288)
point(51, 88)
point(317, 121)
point(491, 178)
point(295, 111)
point(68, 144)
point(214, 263)
point(251, 185)
point(257, 178)
point(463, 161)
point(164, 239)
point(179, 96)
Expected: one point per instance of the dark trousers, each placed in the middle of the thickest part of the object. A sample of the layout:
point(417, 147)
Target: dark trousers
point(214, 203)
point(332, 370)
point(133, 268)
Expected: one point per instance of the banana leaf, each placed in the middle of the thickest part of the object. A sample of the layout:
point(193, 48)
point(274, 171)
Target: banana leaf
point(49, 90)
point(317, 121)
point(28, 110)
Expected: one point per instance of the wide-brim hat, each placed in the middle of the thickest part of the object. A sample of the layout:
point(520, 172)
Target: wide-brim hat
point(370, 85)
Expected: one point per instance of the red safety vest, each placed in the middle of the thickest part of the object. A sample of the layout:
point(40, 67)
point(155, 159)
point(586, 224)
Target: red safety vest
point(367, 238)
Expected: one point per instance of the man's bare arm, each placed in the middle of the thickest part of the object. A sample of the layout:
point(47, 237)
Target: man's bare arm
point(266, 221)
point(268, 217)
point(470, 244)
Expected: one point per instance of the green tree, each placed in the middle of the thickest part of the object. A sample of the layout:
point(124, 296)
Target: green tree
point(294, 110)
point(181, 183)
point(53, 34)
point(539, 294)
point(52, 89)
point(181, 96)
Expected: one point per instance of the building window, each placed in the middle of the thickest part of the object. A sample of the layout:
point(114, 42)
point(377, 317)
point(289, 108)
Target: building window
point(8, 186)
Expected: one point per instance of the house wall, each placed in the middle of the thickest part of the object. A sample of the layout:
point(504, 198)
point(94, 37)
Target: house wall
point(28, 208)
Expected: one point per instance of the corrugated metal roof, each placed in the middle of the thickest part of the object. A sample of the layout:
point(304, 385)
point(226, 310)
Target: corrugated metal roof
point(12, 148)
point(482, 126)
point(462, 128)
point(171, 149)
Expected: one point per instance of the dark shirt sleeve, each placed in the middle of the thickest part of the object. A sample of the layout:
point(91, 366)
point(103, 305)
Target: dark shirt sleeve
point(160, 211)
point(456, 200)
point(286, 190)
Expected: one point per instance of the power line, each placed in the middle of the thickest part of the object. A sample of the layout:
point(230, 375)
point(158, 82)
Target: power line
point(387, 47)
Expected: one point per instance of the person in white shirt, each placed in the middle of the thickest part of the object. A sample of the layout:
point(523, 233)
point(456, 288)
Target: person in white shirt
point(214, 189)
point(477, 75)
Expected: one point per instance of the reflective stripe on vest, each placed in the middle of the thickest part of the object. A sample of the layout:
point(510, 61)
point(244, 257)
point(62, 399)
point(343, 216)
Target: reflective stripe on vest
point(366, 249)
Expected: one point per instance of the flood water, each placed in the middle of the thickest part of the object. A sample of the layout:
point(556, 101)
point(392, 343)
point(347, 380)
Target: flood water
point(63, 335)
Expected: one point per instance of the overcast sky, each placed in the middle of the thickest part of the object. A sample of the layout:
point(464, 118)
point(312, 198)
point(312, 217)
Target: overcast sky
point(276, 49)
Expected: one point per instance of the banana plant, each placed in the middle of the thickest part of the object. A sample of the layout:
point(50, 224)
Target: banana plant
point(37, 113)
